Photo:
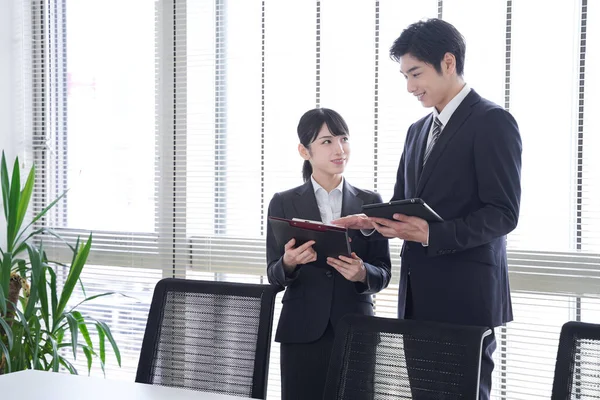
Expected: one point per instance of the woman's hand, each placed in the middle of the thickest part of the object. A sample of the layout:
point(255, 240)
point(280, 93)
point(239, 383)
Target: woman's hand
point(351, 268)
point(295, 256)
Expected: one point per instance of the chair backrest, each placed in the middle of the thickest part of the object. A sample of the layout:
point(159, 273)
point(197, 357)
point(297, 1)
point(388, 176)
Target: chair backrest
point(577, 372)
point(209, 336)
point(382, 358)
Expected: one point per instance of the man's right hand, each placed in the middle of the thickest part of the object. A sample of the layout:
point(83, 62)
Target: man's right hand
point(356, 221)
point(295, 256)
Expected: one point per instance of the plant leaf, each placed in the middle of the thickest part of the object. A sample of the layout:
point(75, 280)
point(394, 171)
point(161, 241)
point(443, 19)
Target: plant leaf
point(8, 332)
point(68, 366)
point(37, 358)
point(111, 340)
point(55, 360)
point(88, 356)
point(13, 206)
point(36, 271)
point(5, 185)
point(43, 296)
point(5, 280)
point(101, 346)
point(60, 335)
point(7, 356)
point(21, 266)
point(43, 230)
point(93, 298)
point(22, 319)
point(53, 295)
point(83, 329)
point(74, 328)
point(16, 354)
point(44, 211)
point(79, 260)
point(82, 289)
point(3, 300)
point(25, 197)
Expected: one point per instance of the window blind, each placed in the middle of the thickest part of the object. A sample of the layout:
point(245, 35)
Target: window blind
point(173, 123)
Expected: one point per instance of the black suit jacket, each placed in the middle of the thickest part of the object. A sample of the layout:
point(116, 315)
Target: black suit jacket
point(316, 293)
point(472, 179)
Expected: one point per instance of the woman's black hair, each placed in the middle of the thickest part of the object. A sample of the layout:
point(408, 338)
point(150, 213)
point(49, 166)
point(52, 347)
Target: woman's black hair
point(309, 126)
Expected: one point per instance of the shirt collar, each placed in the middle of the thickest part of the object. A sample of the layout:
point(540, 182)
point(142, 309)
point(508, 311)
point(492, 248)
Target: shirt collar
point(447, 112)
point(316, 185)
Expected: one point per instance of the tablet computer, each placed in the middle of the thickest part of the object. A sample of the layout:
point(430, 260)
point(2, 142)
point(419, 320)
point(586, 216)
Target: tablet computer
point(330, 240)
point(412, 207)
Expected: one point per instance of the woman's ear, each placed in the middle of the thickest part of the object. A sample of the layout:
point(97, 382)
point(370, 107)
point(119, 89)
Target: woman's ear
point(303, 151)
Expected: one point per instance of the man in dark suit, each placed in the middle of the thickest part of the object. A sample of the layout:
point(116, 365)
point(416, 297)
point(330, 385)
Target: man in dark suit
point(463, 160)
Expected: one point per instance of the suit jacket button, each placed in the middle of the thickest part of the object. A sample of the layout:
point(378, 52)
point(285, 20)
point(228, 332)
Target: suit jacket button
point(329, 274)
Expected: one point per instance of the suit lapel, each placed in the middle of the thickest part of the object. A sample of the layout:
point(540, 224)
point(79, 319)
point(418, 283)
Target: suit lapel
point(351, 203)
point(420, 147)
point(305, 202)
point(456, 121)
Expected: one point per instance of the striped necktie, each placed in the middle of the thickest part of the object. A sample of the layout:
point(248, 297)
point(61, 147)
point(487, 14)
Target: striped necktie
point(437, 129)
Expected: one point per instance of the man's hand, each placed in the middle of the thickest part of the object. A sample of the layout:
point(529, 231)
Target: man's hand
point(413, 229)
point(295, 256)
point(356, 221)
point(352, 268)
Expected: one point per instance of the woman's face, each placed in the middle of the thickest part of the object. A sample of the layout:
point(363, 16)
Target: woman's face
point(328, 154)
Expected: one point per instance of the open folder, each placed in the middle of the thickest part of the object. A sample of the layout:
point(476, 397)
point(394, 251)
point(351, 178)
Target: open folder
point(330, 241)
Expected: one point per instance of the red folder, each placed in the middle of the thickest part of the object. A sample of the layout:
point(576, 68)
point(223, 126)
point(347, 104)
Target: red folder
point(330, 241)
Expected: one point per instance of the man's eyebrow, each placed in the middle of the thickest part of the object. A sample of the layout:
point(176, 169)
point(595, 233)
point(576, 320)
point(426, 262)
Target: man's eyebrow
point(412, 69)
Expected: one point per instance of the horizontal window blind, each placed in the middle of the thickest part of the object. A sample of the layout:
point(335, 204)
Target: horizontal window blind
point(173, 129)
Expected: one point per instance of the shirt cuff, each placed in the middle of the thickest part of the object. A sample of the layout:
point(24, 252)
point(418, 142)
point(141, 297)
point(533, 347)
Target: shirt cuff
point(426, 244)
point(367, 232)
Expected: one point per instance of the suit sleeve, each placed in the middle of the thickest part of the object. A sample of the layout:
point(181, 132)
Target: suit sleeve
point(497, 160)
point(399, 186)
point(398, 191)
point(377, 264)
point(275, 272)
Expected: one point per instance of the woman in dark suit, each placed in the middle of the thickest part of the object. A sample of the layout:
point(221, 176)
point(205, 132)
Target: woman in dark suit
point(319, 290)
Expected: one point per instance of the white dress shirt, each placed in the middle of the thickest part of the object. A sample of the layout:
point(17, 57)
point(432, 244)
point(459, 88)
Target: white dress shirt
point(447, 112)
point(330, 204)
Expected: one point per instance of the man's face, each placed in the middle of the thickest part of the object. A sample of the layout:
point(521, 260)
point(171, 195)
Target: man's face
point(423, 81)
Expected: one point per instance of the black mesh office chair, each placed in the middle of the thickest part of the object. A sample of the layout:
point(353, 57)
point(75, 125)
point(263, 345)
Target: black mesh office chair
point(577, 372)
point(383, 359)
point(209, 336)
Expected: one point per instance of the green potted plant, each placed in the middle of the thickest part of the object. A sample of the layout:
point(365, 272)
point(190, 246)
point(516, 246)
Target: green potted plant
point(38, 323)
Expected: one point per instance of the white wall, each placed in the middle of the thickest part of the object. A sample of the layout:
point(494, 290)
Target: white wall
point(7, 139)
point(7, 90)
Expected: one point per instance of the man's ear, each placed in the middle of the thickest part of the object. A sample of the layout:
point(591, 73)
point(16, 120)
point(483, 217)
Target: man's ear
point(449, 64)
point(303, 151)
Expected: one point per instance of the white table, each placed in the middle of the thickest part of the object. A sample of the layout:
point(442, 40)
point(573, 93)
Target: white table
point(59, 386)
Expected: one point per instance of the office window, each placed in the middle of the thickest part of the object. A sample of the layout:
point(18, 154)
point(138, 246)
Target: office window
point(173, 123)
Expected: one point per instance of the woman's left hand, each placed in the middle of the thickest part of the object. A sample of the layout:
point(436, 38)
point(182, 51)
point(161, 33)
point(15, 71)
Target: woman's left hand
point(351, 268)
